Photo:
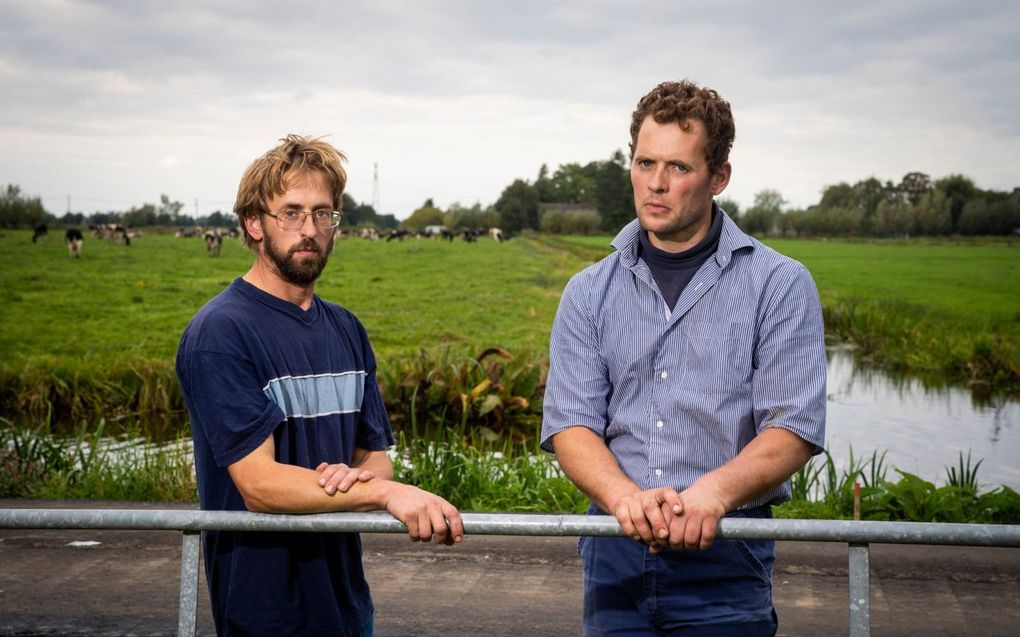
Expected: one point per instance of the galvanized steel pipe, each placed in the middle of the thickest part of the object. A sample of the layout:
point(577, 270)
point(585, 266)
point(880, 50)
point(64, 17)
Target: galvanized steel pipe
point(860, 532)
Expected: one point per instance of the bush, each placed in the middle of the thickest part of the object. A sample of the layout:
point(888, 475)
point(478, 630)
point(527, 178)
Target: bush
point(586, 222)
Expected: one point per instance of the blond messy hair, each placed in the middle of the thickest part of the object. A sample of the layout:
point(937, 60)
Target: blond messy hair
point(270, 175)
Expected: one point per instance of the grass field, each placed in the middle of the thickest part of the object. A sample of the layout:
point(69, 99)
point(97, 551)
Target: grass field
point(944, 310)
point(973, 284)
point(133, 302)
point(104, 329)
point(87, 345)
point(97, 336)
point(976, 285)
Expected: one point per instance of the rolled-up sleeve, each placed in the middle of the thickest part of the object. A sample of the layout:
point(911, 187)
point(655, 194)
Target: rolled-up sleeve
point(789, 375)
point(577, 388)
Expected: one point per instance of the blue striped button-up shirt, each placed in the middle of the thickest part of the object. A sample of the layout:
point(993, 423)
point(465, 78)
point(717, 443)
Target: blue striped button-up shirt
point(675, 394)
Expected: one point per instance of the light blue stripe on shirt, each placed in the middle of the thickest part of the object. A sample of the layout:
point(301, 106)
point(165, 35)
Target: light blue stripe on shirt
point(317, 395)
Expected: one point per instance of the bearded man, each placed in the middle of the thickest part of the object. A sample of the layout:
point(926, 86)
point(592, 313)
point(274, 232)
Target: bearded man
point(287, 417)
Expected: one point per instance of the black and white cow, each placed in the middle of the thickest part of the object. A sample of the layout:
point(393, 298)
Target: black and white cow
point(74, 240)
point(399, 235)
point(213, 243)
point(40, 232)
point(121, 236)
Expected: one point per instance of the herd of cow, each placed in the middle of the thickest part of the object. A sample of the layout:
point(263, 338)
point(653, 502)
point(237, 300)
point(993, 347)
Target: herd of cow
point(213, 238)
point(431, 232)
point(74, 239)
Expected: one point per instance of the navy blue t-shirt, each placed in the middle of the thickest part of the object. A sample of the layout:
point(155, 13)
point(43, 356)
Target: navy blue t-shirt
point(252, 365)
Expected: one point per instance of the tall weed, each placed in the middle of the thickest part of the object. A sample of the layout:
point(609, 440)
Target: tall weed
point(494, 391)
point(90, 466)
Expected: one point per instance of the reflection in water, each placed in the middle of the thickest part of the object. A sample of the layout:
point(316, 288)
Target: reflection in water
point(922, 429)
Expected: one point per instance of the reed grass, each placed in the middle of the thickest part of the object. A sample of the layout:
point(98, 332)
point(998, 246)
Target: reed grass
point(821, 490)
point(478, 473)
point(487, 475)
point(59, 393)
point(92, 466)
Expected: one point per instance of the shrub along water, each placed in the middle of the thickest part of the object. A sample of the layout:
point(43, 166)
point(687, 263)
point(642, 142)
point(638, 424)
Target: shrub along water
point(63, 393)
point(494, 390)
point(903, 337)
point(821, 490)
point(89, 466)
point(477, 473)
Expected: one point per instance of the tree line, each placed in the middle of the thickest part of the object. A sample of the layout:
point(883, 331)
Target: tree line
point(21, 211)
point(916, 206)
point(600, 199)
point(597, 198)
point(599, 193)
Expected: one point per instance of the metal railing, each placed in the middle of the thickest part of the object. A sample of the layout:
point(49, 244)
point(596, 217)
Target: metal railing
point(858, 535)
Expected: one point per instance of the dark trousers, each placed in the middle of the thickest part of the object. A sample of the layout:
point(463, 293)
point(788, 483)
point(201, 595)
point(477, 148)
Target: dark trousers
point(723, 591)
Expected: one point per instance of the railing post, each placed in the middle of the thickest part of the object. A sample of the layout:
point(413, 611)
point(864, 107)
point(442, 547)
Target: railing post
point(187, 613)
point(860, 591)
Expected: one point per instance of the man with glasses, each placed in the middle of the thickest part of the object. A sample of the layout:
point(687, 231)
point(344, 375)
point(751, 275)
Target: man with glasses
point(287, 417)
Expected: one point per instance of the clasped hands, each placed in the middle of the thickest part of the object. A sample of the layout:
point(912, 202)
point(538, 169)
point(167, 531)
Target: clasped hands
point(663, 517)
point(425, 514)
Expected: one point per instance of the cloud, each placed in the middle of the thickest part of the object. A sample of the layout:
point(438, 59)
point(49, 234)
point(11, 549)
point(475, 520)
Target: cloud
point(455, 100)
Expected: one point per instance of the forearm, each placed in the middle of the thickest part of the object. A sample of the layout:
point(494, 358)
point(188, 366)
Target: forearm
point(273, 487)
point(766, 462)
point(283, 488)
point(588, 462)
point(375, 461)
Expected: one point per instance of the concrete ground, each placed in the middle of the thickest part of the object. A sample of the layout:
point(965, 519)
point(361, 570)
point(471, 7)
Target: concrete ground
point(127, 584)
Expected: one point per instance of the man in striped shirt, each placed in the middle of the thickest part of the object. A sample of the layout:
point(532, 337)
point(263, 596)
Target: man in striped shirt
point(686, 383)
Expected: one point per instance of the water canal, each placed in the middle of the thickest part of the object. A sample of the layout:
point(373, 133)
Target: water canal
point(921, 429)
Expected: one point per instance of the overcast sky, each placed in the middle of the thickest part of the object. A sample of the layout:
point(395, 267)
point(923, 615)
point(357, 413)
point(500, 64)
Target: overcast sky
point(113, 103)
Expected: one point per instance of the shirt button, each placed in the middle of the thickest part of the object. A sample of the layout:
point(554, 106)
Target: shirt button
point(659, 424)
point(658, 472)
point(663, 375)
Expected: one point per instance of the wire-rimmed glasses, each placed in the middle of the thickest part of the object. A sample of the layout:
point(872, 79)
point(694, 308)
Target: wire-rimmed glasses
point(293, 218)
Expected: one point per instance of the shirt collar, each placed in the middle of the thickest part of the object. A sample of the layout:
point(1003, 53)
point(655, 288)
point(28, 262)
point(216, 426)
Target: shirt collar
point(628, 241)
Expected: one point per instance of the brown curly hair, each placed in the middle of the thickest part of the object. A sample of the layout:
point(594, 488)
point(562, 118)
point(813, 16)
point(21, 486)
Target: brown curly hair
point(268, 176)
point(680, 102)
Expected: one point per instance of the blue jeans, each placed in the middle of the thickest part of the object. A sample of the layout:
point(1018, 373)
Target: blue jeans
point(725, 590)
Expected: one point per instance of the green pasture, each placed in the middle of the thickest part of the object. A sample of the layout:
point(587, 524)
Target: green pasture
point(95, 337)
point(87, 347)
point(946, 311)
point(969, 283)
point(121, 303)
point(81, 335)
point(975, 285)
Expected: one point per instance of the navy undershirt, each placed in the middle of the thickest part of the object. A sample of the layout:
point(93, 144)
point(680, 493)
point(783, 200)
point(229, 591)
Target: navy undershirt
point(672, 271)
